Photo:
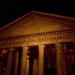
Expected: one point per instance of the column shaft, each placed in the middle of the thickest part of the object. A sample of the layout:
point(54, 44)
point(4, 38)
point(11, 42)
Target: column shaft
point(41, 60)
point(59, 59)
point(35, 67)
point(23, 62)
point(9, 62)
point(16, 63)
point(63, 61)
point(27, 67)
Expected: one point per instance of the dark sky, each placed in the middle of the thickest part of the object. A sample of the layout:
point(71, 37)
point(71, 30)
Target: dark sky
point(11, 10)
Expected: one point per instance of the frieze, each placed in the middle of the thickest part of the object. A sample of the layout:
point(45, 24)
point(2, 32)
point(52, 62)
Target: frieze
point(37, 39)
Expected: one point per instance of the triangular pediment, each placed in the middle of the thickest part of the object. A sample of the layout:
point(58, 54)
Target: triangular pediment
point(36, 22)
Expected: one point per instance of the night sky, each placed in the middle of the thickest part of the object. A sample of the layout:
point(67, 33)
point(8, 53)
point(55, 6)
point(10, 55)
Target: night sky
point(11, 10)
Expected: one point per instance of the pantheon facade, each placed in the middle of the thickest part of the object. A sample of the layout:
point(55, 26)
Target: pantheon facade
point(38, 44)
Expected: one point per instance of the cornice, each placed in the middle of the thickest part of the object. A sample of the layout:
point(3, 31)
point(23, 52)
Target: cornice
point(69, 31)
point(57, 18)
point(35, 39)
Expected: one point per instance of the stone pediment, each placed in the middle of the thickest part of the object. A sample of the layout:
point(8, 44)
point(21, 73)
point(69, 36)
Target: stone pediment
point(36, 22)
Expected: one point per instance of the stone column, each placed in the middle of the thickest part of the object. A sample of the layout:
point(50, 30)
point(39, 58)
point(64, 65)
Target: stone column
point(27, 65)
point(16, 63)
point(23, 61)
point(64, 60)
point(35, 67)
point(59, 59)
point(9, 62)
point(41, 60)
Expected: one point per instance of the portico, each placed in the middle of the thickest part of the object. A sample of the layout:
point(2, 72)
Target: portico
point(38, 44)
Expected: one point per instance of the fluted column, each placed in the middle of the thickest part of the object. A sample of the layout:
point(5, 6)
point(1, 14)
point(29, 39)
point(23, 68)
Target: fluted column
point(16, 63)
point(23, 62)
point(41, 60)
point(9, 62)
point(59, 59)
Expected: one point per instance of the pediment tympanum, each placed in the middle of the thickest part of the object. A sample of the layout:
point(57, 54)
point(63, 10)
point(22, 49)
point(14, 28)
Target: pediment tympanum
point(36, 22)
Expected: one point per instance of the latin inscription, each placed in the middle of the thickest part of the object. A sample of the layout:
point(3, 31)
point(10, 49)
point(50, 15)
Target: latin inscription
point(37, 39)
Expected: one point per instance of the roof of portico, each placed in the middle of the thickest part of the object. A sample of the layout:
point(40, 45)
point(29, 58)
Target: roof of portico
point(37, 22)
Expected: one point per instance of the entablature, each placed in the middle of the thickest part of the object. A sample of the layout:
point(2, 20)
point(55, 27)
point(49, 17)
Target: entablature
point(46, 37)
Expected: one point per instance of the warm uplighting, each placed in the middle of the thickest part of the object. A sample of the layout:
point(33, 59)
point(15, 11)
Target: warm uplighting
point(4, 52)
